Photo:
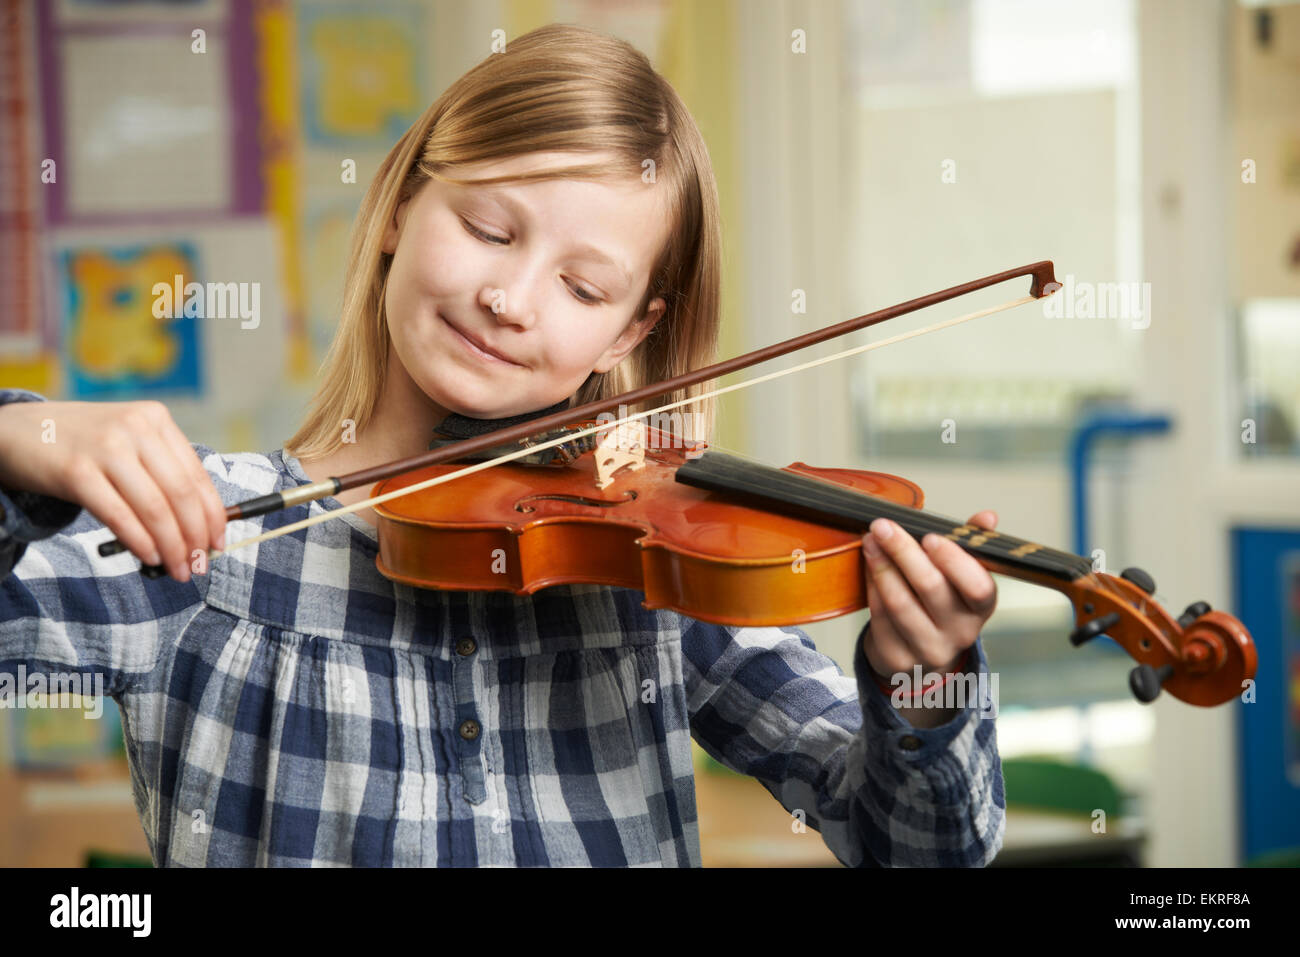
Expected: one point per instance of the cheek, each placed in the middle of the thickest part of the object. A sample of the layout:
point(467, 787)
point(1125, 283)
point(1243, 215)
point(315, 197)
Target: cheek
point(437, 269)
point(574, 344)
point(423, 274)
point(435, 255)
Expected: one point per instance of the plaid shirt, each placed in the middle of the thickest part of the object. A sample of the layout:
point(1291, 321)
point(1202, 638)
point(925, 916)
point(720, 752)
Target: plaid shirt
point(294, 707)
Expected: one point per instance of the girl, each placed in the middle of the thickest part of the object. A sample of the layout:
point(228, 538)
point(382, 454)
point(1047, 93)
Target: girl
point(546, 233)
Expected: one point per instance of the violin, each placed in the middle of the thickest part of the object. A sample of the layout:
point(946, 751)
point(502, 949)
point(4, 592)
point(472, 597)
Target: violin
point(720, 538)
point(723, 539)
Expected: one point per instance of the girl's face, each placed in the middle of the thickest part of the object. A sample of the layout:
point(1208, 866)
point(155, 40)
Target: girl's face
point(503, 299)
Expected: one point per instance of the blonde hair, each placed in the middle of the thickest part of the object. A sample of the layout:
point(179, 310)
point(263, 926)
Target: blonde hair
point(560, 88)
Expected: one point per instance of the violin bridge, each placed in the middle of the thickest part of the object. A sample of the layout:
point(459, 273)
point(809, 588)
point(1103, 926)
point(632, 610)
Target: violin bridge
point(619, 447)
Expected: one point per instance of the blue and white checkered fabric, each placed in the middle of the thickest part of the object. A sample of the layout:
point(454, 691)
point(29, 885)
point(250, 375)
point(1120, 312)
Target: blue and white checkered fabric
point(294, 707)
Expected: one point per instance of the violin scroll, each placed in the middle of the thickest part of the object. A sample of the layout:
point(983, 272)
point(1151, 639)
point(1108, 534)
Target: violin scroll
point(1203, 657)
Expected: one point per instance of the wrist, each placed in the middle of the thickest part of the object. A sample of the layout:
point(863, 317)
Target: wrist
point(959, 665)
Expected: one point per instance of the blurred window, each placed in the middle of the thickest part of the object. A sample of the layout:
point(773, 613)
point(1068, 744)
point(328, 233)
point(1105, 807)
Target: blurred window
point(990, 134)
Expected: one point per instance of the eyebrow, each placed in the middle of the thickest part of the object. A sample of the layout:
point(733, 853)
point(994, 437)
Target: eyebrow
point(586, 250)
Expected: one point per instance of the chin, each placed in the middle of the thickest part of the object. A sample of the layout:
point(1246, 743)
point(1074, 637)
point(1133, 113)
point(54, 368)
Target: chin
point(455, 389)
point(474, 400)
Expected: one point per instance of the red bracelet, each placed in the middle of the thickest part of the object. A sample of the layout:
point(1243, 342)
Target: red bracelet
point(962, 667)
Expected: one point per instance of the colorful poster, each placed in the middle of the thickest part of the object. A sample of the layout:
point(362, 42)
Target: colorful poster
point(362, 71)
point(157, 138)
point(326, 235)
point(115, 343)
point(41, 735)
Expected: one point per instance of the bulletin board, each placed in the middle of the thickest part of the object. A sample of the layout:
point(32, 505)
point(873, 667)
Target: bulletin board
point(150, 116)
point(169, 130)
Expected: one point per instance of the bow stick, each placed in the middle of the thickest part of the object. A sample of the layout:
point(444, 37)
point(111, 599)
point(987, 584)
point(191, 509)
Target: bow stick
point(1043, 284)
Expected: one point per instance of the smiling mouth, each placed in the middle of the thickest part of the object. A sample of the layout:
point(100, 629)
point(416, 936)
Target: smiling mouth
point(478, 348)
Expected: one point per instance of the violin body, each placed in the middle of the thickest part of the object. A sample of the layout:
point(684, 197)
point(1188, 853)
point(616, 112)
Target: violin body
point(520, 528)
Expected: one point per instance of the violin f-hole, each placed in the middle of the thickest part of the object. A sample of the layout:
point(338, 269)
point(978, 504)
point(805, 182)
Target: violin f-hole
point(523, 506)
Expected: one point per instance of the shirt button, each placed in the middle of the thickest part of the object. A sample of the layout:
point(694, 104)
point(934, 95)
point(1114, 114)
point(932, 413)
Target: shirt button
point(909, 742)
point(469, 729)
point(466, 646)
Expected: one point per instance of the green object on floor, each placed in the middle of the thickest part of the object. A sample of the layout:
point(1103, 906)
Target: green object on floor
point(1053, 785)
point(1287, 857)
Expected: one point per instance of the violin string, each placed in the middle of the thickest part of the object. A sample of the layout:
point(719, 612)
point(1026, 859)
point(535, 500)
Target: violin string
point(568, 437)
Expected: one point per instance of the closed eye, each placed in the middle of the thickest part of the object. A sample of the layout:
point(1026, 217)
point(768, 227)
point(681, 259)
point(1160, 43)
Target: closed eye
point(486, 237)
point(493, 240)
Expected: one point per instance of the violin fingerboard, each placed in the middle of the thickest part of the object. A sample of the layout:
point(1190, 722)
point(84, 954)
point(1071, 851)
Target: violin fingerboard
point(821, 501)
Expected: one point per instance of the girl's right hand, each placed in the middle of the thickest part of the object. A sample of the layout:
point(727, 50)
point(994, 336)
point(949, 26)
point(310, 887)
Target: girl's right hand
point(127, 463)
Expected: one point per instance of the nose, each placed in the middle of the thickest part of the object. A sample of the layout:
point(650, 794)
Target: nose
point(508, 304)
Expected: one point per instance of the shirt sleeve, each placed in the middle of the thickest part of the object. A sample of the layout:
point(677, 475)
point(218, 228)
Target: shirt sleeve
point(28, 517)
point(882, 793)
point(64, 609)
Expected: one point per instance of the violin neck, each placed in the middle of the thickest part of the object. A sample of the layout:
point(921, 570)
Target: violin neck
point(806, 497)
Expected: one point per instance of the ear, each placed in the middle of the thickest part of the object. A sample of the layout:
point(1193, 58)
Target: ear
point(631, 337)
point(394, 229)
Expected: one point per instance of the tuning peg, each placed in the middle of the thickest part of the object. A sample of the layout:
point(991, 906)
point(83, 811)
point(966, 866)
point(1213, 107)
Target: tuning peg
point(1193, 611)
point(1140, 578)
point(1145, 681)
point(1092, 629)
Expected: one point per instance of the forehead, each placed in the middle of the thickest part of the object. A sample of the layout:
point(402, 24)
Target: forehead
point(618, 215)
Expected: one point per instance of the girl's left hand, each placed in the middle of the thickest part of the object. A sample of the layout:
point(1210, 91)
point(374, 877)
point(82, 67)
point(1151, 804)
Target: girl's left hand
point(928, 599)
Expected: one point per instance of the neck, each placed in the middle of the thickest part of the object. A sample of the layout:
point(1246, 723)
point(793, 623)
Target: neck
point(407, 422)
point(403, 420)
